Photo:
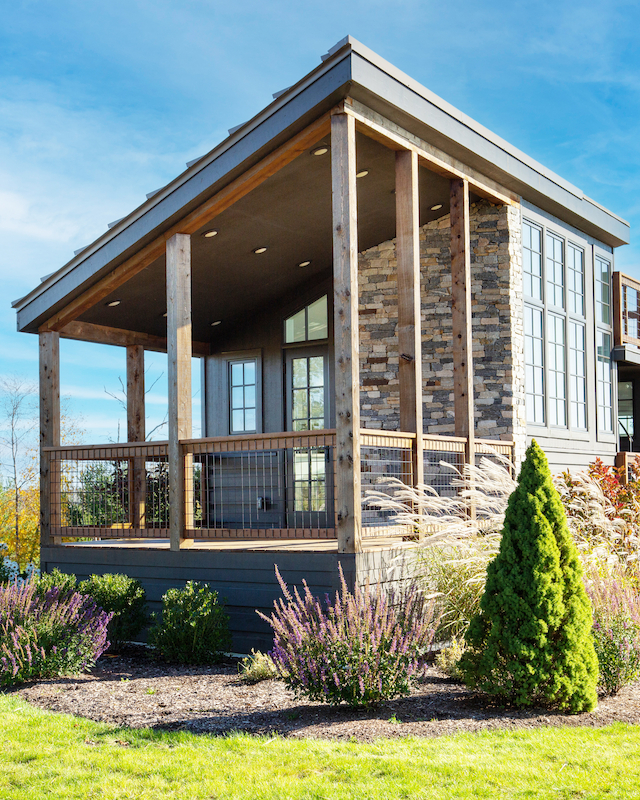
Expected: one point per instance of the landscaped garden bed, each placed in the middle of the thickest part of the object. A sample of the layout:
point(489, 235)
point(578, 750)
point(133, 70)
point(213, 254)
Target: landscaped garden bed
point(133, 690)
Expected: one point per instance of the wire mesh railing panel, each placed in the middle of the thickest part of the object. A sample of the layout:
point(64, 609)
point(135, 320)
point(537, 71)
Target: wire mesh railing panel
point(441, 470)
point(94, 494)
point(381, 466)
point(275, 487)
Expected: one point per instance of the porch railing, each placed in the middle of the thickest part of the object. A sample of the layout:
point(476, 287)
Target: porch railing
point(264, 486)
point(626, 310)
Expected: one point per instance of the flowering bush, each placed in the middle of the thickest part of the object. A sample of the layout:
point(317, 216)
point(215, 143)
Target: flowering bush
point(193, 627)
point(51, 635)
point(10, 571)
point(616, 626)
point(363, 648)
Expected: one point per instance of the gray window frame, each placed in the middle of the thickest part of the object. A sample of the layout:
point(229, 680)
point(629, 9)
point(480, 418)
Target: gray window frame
point(226, 361)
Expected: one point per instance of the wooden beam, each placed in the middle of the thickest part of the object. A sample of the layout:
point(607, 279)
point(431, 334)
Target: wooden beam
point(409, 307)
point(346, 334)
point(377, 127)
point(206, 212)
point(179, 375)
point(461, 316)
point(49, 436)
point(103, 334)
point(136, 433)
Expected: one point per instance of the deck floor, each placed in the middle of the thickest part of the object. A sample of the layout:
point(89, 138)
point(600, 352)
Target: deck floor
point(273, 545)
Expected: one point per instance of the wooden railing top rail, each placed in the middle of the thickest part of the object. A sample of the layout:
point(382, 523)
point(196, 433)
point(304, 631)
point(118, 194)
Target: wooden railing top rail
point(627, 280)
point(107, 452)
point(260, 441)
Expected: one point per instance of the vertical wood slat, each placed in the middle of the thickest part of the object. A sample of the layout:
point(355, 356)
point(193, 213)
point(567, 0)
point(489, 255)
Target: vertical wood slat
point(409, 307)
point(179, 374)
point(346, 334)
point(49, 435)
point(461, 316)
point(136, 432)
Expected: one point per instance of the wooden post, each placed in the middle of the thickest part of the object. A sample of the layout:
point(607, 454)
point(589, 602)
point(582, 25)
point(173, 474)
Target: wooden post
point(409, 307)
point(346, 333)
point(49, 436)
point(461, 316)
point(136, 433)
point(179, 375)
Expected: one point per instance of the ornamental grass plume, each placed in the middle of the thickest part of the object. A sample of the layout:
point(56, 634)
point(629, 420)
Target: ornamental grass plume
point(362, 648)
point(531, 642)
point(43, 636)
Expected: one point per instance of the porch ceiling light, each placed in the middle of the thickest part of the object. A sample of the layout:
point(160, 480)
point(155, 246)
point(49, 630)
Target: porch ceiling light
point(320, 150)
point(362, 173)
point(304, 263)
point(165, 314)
point(217, 322)
point(210, 234)
point(114, 303)
point(436, 207)
point(259, 250)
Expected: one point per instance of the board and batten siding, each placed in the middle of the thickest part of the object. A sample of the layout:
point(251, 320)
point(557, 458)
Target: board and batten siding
point(244, 579)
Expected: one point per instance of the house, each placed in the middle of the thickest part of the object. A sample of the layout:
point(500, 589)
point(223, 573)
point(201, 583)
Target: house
point(374, 284)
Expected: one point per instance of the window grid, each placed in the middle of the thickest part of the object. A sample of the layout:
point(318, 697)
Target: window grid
point(555, 271)
point(534, 359)
point(557, 371)
point(605, 388)
point(575, 280)
point(578, 375)
point(603, 290)
point(242, 396)
point(532, 260)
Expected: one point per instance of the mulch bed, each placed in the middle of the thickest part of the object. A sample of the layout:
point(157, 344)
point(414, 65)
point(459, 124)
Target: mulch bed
point(133, 690)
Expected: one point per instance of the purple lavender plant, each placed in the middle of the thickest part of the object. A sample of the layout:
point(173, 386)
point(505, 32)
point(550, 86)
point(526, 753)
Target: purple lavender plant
point(362, 648)
point(54, 634)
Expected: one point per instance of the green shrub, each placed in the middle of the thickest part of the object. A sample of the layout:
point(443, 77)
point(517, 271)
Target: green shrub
point(122, 596)
point(257, 667)
point(616, 624)
point(50, 635)
point(531, 642)
point(448, 659)
point(363, 648)
point(193, 628)
point(58, 580)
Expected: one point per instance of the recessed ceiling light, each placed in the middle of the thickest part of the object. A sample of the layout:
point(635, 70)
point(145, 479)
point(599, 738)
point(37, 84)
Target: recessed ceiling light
point(165, 314)
point(210, 234)
point(304, 263)
point(320, 151)
point(217, 322)
point(114, 303)
point(259, 250)
point(436, 207)
point(362, 173)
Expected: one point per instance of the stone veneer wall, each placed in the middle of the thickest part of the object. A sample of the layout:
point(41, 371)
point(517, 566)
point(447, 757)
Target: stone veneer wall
point(498, 337)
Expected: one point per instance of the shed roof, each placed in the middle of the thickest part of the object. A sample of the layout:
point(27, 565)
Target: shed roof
point(352, 70)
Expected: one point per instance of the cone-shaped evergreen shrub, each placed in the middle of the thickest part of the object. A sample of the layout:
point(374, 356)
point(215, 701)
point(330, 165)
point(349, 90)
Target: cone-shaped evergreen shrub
point(531, 641)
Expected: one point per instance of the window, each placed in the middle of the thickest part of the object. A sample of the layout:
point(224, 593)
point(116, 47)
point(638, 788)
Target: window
point(556, 332)
point(603, 290)
point(309, 324)
point(242, 396)
point(557, 382)
point(578, 372)
point(534, 358)
point(308, 394)
point(605, 398)
point(625, 409)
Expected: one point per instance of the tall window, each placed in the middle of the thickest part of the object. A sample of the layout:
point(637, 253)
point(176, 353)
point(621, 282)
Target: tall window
point(309, 324)
point(534, 358)
point(555, 328)
point(605, 397)
point(242, 400)
point(603, 290)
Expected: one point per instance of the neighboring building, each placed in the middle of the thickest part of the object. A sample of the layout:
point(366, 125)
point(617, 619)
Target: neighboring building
point(355, 224)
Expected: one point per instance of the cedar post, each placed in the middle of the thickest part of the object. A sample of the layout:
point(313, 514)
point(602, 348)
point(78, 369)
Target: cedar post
point(409, 307)
point(49, 436)
point(179, 374)
point(136, 433)
point(461, 316)
point(346, 333)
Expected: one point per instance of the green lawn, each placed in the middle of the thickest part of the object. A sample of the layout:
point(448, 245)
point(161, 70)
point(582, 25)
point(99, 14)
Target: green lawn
point(57, 756)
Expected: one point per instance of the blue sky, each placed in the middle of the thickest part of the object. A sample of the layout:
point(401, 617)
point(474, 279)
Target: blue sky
point(101, 103)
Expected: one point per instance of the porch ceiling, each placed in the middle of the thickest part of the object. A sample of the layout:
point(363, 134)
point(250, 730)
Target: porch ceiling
point(290, 214)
